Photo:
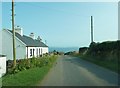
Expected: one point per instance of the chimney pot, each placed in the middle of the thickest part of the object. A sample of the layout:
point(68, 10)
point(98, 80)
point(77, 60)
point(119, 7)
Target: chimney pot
point(19, 30)
point(32, 35)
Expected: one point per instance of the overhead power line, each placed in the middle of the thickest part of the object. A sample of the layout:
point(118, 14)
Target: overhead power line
point(53, 9)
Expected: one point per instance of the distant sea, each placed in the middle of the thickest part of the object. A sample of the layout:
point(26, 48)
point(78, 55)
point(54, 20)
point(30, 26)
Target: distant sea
point(63, 49)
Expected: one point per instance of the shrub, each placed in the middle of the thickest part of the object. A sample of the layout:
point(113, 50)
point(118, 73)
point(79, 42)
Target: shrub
point(108, 50)
point(25, 64)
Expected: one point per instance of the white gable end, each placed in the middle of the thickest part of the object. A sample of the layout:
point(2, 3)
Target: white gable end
point(7, 46)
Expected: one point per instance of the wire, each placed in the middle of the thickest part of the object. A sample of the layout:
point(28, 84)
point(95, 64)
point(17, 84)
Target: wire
point(49, 8)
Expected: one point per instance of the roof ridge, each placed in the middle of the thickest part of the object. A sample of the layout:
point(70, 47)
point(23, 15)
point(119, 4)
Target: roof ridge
point(29, 41)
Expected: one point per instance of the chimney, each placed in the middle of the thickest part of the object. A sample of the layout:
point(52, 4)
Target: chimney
point(19, 30)
point(32, 35)
point(39, 39)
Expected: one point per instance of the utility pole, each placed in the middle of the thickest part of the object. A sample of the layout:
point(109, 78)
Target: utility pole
point(91, 29)
point(13, 30)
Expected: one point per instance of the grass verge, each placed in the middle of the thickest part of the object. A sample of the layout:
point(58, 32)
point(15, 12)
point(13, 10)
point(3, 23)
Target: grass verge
point(28, 77)
point(111, 65)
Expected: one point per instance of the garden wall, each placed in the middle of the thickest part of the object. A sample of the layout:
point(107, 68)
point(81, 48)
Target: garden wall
point(2, 65)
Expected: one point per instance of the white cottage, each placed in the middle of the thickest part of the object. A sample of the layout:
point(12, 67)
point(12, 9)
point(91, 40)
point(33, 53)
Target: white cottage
point(26, 46)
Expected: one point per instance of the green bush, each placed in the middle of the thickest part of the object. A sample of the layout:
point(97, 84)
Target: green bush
point(108, 50)
point(25, 64)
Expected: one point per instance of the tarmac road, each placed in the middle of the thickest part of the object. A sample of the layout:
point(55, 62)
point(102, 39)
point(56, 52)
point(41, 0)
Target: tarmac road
point(73, 71)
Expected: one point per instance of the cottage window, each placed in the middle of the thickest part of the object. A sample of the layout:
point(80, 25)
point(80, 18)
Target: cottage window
point(33, 51)
point(39, 51)
point(30, 52)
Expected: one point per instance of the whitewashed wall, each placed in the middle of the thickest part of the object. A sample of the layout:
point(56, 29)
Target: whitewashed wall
point(2, 66)
point(42, 51)
point(7, 47)
point(45, 50)
point(21, 49)
point(28, 51)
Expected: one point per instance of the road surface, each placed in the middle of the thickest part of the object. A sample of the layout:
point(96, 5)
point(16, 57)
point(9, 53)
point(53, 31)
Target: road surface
point(73, 71)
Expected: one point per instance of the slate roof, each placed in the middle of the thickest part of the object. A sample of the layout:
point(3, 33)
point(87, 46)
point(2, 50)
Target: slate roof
point(29, 41)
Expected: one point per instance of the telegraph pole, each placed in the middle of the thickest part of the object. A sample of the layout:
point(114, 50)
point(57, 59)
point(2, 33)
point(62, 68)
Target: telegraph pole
point(91, 29)
point(13, 30)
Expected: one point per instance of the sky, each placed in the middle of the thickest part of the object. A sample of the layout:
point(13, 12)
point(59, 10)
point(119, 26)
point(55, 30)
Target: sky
point(62, 0)
point(64, 24)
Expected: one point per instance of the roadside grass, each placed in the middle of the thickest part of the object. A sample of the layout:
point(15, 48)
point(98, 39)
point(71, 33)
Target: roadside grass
point(111, 65)
point(28, 77)
point(25, 78)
